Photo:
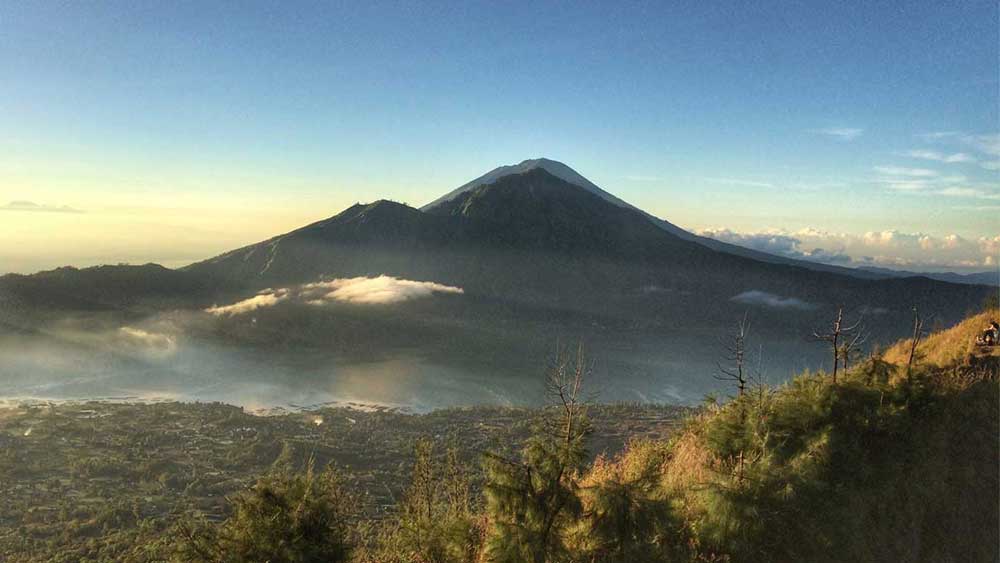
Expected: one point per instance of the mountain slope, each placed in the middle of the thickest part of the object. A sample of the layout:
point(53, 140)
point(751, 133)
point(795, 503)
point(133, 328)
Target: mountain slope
point(103, 287)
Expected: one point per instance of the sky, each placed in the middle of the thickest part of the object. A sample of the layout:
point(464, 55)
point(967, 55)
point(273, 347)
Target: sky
point(848, 132)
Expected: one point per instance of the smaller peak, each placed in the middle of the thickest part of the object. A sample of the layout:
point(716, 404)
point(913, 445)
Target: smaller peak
point(537, 162)
point(378, 204)
point(379, 208)
point(384, 203)
point(388, 204)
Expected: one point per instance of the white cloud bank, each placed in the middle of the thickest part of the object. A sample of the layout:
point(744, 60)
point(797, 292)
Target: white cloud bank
point(889, 248)
point(381, 290)
point(376, 291)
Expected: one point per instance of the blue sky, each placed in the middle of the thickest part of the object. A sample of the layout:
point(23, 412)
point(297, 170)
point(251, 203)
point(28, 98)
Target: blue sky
point(209, 126)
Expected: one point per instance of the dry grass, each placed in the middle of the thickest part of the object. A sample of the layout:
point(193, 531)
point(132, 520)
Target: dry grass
point(691, 463)
point(949, 346)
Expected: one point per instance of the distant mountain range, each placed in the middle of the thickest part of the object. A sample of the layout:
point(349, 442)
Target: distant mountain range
point(977, 278)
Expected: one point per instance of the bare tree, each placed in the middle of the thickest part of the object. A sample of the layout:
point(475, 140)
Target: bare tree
point(564, 389)
point(851, 345)
point(834, 337)
point(735, 369)
point(918, 331)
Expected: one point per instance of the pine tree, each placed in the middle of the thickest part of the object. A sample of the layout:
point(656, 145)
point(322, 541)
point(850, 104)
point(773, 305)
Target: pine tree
point(626, 514)
point(532, 501)
point(436, 522)
point(290, 517)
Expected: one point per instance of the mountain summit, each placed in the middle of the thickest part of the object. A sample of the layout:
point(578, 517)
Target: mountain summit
point(553, 167)
point(567, 174)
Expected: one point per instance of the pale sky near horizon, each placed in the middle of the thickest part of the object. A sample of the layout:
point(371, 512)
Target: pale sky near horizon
point(854, 133)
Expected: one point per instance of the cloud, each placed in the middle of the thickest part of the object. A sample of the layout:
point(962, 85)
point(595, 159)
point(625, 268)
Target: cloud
point(31, 206)
point(765, 299)
point(887, 248)
point(739, 182)
point(840, 133)
point(266, 298)
point(376, 291)
point(153, 341)
point(779, 242)
point(903, 171)
point(939, 135)
point(987, 145)
point(924, 181)
point(956, 191)
point(381, 290)
point(642, 178)
point(939, 157)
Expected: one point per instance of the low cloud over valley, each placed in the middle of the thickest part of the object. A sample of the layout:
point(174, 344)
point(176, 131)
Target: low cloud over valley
point(381, 290)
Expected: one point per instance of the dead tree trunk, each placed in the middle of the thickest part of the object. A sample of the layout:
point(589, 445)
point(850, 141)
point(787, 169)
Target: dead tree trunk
point(834, 339)
point(918, 329)
point(849, 346)
point(735, 356)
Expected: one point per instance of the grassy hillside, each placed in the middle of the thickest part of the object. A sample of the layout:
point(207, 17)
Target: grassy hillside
point(877, 467)
point(952, 346)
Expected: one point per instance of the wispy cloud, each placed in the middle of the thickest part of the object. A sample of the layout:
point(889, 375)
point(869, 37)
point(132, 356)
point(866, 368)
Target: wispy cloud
point(987, 145)
point(765, 299)
point(939, 135)
point(31, 206)
point(740, 182)
point(939, 157)
point(841, 133)
point(154, 341)
point(381, 290)
point(956, 191)
point(904, 171)
point(642, 178)
point(267, 298)
point(926, 182)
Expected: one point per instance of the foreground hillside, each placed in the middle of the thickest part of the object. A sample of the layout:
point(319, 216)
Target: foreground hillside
point(885, 464)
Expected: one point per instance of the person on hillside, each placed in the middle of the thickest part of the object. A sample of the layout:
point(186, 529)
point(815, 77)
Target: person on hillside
point(991, 335)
